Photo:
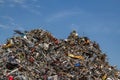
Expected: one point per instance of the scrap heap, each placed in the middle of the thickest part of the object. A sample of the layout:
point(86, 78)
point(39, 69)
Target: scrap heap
point(37, 55)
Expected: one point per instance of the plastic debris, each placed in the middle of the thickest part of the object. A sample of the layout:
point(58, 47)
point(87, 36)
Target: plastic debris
point(11, 78)
point(38, 55)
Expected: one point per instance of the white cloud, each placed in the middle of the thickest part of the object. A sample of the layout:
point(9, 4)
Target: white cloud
point(8, 18)
point(3, 26)
point(37, 6)
point(10, 23)
point(1, 1)
point(22, 4)
point(11, 5)
point(18, 1)
point(34, 0)
point(62, 14)
point(31, 9)
point(100, 29)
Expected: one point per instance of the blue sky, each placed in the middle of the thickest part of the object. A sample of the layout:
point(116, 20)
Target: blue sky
point(97, 19)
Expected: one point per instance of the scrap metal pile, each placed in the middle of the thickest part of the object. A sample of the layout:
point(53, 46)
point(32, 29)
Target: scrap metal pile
point(37, 55)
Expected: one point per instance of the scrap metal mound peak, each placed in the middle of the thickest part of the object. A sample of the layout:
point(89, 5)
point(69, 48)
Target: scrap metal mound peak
point(38, 55)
